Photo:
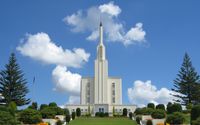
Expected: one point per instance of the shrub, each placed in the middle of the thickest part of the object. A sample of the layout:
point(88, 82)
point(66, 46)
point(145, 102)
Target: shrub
point(138, 111)
point(130, 115)
point(4, 108)
point(7, 119)
point(146, 111)
point(138, 119)
point(73, 115)
point(149, 122)
point(48, 112)
point(97, 114)
point(42, 106)
point(106, 114)
point(66, 111)
point(143, 111)
point(195, 112)
point(101, 114)
point(125, 112)
point(160, 106)
point(67, 118)
point(196, 122)
point(174, 108)
point(52, 104)
point(30, 116)
point(158, 114)
point(78, 112)
point(175, 118)
point(33, 105)
point(58, 110)
point(151, 105)
point(59, 122)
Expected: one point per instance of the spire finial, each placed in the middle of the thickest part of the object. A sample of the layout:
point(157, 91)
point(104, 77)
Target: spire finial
point(100, 23)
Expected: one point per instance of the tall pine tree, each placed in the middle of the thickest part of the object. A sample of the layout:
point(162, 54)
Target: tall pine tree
point(12, 83)
point(187, 83)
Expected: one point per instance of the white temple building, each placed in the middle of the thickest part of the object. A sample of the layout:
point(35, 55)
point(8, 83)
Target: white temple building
point(101, 93)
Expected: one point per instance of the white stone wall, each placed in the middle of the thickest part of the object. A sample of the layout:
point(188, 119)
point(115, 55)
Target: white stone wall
point(84, 88)
point(118, 90)
point(84, 108)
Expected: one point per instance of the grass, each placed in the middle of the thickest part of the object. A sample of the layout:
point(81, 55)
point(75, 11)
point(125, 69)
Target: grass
point(102, 121)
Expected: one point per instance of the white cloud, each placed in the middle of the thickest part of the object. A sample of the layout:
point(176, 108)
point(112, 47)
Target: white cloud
point(144, 92)
point(110, 8)
point(135, 34)
point(66, 81)
point(40, 47)
point(114, 30)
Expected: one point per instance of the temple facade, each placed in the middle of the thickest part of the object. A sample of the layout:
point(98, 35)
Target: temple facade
point(101, 93)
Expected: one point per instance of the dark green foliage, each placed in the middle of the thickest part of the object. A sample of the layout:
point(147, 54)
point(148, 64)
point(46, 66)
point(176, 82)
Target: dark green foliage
point(48, 112)
point(125, 112)
point(149, 122)
point(78, 112)
point(174, 108)
point(160, 106)
point(52, 104)
point(138, 119)
point(12, 108)
point(144, 111)
point(151, 105)
point(196, 122)
point(30, 116)
point(13, 86)
point(73, 115)
point(138, 111)
point(175, 118)
point(66, 111)
point(59, 111)
point(42, 106)
point(187, 83)
point(130, 115)
point(158, 114)
point(59, 122)
point(34, 105)
point(7, 119)
point(67, 118)
point(106, 114)
point(4, 108)
point(101, 114)
point(195, 112)
point(51, 110)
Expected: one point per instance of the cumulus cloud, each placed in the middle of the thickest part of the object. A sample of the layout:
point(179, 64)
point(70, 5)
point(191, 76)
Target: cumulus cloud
point(40, 47)
point(87, 21)
point(66, 81)
point(110, 8)
point(144, 92)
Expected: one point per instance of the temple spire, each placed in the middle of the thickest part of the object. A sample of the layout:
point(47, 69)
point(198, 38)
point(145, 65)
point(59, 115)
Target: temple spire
point(101, 33)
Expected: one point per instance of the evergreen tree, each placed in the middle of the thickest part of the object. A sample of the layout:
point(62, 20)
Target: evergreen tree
point(187, 83)
point(12, 83)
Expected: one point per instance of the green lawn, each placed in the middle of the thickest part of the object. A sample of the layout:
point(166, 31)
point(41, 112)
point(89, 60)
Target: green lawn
point(102, 121)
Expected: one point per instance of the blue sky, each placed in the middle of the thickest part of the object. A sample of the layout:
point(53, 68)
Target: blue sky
point(171, 27)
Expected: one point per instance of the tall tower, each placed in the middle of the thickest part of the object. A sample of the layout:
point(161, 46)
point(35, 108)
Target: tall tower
point(101, 72)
